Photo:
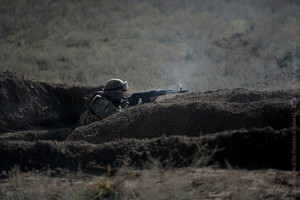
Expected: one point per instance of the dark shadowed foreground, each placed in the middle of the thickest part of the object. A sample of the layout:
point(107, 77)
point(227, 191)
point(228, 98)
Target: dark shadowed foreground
point(251, 149)
point(225, 129)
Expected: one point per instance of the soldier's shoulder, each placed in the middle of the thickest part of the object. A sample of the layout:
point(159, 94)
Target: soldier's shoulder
point(99, 96)
point(103, 101)
point(93, 96)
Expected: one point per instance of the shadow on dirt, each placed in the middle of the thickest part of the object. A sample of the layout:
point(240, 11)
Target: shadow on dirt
point(195, 114)
point(250, 149)
point(26, 102)
point(236, 128)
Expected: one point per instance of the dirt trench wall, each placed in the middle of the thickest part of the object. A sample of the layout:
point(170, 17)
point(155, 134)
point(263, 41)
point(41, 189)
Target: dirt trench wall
point(251, 149)
point(59, 134)
point(144, 134)
point(195, 114)
point(26, 102)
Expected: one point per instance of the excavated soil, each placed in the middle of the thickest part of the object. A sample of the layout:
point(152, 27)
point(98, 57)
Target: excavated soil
point(194, 115)
point(26, 102)
point(224, 144)
point(251, 149)
point(239, 128)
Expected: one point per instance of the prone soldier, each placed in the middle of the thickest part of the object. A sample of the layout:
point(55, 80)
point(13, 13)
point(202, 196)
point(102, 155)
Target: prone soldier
point(102, 104)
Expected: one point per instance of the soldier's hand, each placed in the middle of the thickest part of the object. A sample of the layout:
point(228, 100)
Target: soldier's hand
point(152, 99)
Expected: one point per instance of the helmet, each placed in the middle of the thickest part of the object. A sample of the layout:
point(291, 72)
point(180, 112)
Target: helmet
point(115, 88)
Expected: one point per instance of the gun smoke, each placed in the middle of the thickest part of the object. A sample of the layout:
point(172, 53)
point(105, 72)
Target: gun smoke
point(204, 45)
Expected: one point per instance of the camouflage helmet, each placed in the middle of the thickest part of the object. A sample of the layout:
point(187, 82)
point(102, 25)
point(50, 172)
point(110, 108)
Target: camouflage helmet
point(115, 88)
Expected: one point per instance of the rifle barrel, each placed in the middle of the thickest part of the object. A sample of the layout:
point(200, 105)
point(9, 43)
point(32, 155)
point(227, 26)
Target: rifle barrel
point(182, 91)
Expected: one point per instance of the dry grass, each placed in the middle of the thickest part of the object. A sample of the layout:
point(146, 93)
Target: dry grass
point(152, 44)
point(66, 187)
point(154, 183)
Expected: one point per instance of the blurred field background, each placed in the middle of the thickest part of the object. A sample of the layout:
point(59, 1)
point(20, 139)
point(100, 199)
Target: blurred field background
point(203, 44)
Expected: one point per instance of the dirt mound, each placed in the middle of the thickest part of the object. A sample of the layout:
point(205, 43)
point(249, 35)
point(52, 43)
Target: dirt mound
point(35, 134)
point(26, 102)
point(251, 149)
point(47, 114)
point(195, 114)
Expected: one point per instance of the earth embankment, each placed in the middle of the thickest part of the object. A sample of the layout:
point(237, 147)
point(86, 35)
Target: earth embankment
point(196, 114)
point(250, 149)
point(237, 128)
point(26, 102)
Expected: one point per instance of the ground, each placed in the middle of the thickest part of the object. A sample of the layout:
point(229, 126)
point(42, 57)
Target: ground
point(223, 144)
point(233, 136)
point(156, 183)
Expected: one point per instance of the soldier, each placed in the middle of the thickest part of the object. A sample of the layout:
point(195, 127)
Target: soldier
point(102, 104)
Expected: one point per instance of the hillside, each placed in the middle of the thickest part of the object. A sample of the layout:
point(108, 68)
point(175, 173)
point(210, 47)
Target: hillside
point(207, 44)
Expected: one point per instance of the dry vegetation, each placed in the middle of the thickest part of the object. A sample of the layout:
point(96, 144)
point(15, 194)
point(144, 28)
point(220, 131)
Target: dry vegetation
point(154, 183)
point(204, 44)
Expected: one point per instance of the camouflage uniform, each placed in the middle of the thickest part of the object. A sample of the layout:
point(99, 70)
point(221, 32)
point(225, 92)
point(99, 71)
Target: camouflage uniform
point(99, 108)
point(104, 103)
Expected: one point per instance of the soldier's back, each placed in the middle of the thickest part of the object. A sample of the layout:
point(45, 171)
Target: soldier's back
point(98, 107)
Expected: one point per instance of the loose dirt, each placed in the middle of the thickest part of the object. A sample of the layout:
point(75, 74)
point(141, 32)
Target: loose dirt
point(27, 102)
point(225, 129)
point(250, 149)
point(195, 114)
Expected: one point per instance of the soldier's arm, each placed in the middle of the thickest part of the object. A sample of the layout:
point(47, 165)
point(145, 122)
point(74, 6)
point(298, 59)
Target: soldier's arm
point(125, 105)
point(104, 108)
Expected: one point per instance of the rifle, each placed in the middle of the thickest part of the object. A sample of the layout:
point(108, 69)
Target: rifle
point(144, 97)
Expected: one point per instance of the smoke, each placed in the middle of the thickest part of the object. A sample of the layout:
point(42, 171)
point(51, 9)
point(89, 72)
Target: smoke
point(204, 45)
point(241, 46)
